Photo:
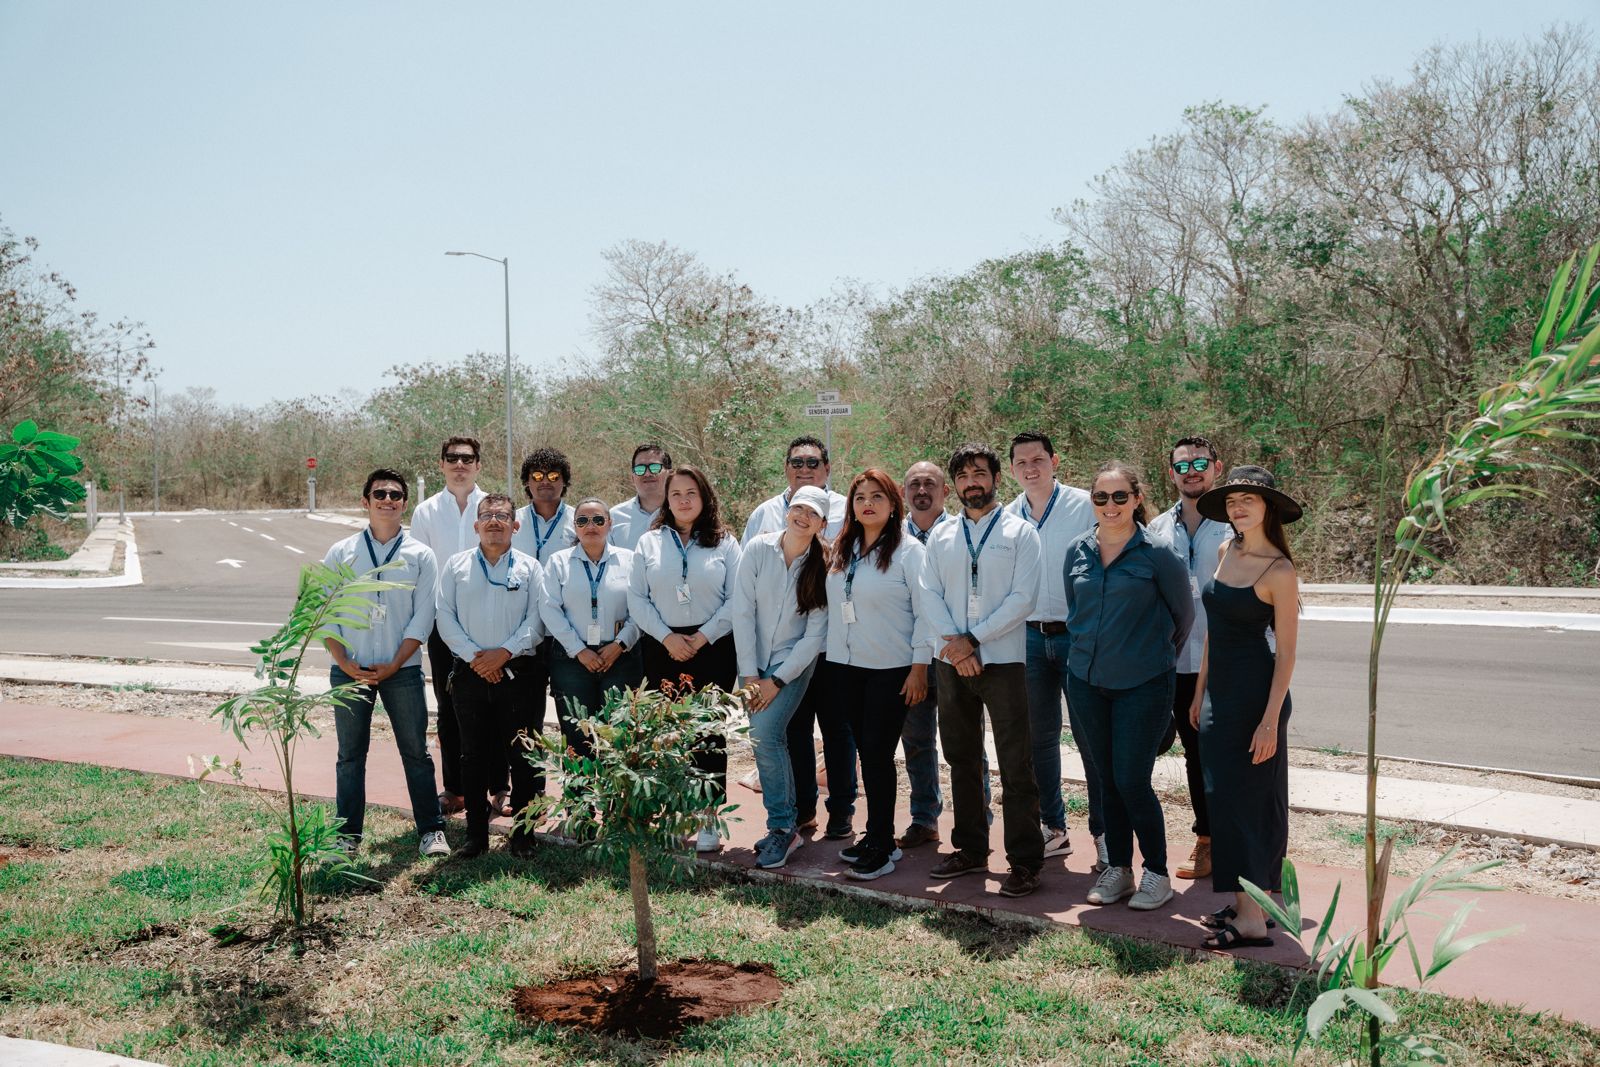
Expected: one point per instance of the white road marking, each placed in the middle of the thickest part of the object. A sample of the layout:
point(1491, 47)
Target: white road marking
point(295, 550)
point(234, 563)
point(230, 522)
point(1553, 620)
point(266, 518)
point(246, 529)
point(218, 646)
point(197, 622)
point(269, 537)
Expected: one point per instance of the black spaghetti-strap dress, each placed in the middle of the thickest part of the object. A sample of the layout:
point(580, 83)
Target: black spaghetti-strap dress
point(1248, 802)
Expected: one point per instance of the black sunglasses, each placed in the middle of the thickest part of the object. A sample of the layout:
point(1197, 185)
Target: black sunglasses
point(589, 520)
point(1101, 498)
point(1198, 465)
point(642, 469)
point(387, 494)
point(464, 458)
point(805, 462)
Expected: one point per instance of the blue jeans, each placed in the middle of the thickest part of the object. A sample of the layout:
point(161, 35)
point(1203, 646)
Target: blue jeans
point(919, 741)
point(769, 735)
point(1047, 685)
point(1122, 730)
point(408, 715)
point(571, 680)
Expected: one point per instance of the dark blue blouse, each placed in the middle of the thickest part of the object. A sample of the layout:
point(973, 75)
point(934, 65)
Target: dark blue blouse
point(1125, 622)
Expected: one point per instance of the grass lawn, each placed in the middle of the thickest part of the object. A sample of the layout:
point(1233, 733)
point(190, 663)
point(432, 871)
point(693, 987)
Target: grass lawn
point(129, 922)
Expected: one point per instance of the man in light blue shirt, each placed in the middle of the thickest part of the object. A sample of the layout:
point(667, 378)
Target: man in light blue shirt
point(981, 580)
point(652, 466)
point(386, 660)
point(488, 613)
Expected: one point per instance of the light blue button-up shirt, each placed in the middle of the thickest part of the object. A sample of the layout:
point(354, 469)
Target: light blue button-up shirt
point(567, 609)
point(484, 606)
point(773, 514)
point(658, 571)
point(406, 612)
point(891, 627)
point(769, 633)
point(923, 535)
point(629, 521)
point(1008, 583)
point(541, 539)
point(1068, 519)
point(1200, 554)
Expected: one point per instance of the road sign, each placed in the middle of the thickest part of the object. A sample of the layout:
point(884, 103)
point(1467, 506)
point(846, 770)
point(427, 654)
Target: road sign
point(311, 463)
point(828, 396)
point(827, 411)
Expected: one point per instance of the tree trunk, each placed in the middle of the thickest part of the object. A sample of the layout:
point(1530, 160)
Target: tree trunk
point(644, 927)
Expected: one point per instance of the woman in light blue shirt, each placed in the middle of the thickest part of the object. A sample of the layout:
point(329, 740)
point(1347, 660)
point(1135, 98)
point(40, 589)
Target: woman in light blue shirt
point(593, 644)
point(780, 617)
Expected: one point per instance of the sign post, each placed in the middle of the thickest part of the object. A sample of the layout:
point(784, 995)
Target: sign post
point(826, 407)
point(311, 484)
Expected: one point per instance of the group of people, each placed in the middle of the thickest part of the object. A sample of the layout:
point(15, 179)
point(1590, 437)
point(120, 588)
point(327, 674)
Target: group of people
point(876, 617)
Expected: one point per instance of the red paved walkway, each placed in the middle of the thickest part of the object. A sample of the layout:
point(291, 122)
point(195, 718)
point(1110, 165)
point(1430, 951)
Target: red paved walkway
point(1546, 967)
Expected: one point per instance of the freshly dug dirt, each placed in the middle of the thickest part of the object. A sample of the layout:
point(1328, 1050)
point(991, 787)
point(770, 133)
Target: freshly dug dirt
point(686, 994)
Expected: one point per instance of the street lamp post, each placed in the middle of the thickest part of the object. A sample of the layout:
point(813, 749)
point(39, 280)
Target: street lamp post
point(505, 265)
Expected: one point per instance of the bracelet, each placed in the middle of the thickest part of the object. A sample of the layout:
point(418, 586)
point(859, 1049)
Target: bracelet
point(779, 682)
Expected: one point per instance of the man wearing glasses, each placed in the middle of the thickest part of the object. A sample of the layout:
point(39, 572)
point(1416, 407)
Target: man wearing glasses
point(652, 466)
point(1192, 466)
point(386, 659)
point(488, 613)
point(545, 525)
point(443, 522)
point(806, 463)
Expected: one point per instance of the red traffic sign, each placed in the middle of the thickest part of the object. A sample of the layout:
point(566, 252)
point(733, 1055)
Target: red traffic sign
point(311, 463)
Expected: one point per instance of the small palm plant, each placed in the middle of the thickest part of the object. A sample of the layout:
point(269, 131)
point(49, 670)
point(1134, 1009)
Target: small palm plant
point(639, 793)
point(307, 837)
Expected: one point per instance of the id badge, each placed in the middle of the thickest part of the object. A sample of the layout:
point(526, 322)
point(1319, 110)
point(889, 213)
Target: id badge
point(1194, 587)
point(684, 596)
point(593, 635)
point(974, 606)
point(847, 611)
point(378, 613)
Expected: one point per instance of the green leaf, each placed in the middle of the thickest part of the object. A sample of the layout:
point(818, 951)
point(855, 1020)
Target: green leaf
point(25, 431)
point(1580, 289)
point(1323, 1009)
point(1552, 305)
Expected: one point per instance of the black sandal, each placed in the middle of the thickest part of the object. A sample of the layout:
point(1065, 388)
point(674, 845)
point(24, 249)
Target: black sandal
point(1229, 938)
point(1219, 919)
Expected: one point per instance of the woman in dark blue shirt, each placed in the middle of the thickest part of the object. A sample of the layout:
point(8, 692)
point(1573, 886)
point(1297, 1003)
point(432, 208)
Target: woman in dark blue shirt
point(1128, 612)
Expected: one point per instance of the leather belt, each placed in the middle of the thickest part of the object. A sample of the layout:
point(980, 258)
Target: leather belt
point(1049, 629)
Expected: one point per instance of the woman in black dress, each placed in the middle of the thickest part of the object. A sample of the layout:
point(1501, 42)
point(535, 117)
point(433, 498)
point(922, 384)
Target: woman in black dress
point(1244, 718)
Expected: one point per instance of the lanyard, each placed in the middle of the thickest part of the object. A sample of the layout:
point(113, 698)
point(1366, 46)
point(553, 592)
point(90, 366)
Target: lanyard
point(373, 554)
point(1048, 508)
point(540, 542)
point(684, 552)
point(976, 552)
point(594, 588)
point(510, 584)
point(850, 575)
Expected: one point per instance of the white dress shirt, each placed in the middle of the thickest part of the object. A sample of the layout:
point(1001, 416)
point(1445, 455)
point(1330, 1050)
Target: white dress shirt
point(768, 630)
point(396, 614)
point(773, 514)
point(1201, 554)
point(891, 627)
point(443, 527)
point(541, 539)
point(577, 598)
point(1067, 517)
point(483, 606)
point(629, 521)
point(654, 602)
point(1008, 583)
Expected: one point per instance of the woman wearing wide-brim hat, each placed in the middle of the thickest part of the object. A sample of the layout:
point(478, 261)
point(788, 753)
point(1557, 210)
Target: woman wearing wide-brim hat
point(1241, 706)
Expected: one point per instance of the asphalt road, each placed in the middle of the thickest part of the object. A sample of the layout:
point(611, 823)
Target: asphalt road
point(1516, 698)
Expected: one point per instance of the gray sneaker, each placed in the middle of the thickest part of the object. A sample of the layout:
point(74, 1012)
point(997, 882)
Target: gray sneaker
point(1102, 858)
point(1113, 884)
point(1154, 891)
point(774, 850)
point(433, 844)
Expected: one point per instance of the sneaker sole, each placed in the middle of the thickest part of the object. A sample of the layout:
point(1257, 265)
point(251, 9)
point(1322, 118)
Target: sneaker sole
point(1017, 892)
point(1139, 905)
point(1064, 850)
point(894, 854)
point(957, 874)
point(1092, 899)
point(867, 876)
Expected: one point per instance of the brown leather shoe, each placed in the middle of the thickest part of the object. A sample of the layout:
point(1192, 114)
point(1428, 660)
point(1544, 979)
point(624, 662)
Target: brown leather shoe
point(1019, 883)
point(450, 803)
point(1199, 865)
point(917, 834)
point(958, 863)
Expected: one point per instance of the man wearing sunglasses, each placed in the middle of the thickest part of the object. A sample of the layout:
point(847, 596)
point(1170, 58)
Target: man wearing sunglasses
point(806, 463)
point(651, 468)
point(545, 525)
point(1192, 465)
point(386, 660)
point(443, 522)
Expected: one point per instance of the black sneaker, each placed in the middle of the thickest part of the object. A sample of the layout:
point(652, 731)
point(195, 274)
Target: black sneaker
point(957, 864)
point(1019, 883)
point(471, 850)
point(839, 829)
point(874, 863)
point(522, 845)
point(853, 854)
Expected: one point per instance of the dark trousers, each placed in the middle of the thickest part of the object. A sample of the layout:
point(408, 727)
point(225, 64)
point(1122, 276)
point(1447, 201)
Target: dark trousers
point(1123, 730)
point(572, 682)
point(491, 716)
point(871, 703)
point(838, 754)
point(716, 664)
point(1182, 697)
point(1002, 689)
point(803, 752)
point(441, 661)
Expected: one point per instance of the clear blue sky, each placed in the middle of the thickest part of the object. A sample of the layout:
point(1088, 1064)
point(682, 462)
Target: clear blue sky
point(271, 187)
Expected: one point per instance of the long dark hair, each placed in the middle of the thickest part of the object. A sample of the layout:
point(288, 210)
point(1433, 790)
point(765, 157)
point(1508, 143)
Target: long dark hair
point(1272, 527)
point(1128, 471)
point(852, 533)
point(708, 530)
point(811, 587)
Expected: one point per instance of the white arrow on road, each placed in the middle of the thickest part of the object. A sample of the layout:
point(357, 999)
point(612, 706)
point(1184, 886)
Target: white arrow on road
point(234, 563)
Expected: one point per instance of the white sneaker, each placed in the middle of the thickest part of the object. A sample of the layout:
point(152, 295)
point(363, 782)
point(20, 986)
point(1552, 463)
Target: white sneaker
point(1154, 891)
point(1102, 857)
point(1113, 884)
point(434, 844)
point(707, 840)
point(1055, 841)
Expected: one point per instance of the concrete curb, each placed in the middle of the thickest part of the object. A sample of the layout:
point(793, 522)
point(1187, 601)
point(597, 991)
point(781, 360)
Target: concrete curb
point(1522, 620)
point(97, 554)
point(1560, 592)
point(18, 1052)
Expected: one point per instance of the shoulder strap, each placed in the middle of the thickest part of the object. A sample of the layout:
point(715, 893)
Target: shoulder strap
point(1265, 569)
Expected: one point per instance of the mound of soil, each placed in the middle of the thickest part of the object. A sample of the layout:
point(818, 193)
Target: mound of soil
point(686, 994)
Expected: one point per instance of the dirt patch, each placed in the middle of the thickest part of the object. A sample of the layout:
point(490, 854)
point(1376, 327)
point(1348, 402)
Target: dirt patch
point(686, 994)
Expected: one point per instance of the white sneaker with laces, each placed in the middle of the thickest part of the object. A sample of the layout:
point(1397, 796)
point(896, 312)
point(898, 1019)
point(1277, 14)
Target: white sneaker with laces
point(1113, 884)
point(1055, 841)
point(707, 840)
point(1154, 891)
point(434, 844)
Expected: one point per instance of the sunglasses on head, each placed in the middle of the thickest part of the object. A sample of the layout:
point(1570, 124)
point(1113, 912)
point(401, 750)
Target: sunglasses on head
point(542, 476)
point(465, 459)
point(386, 494)
point(589, 520)
point(495, 516)
point(805, 462)
point(641, 469)
point(1101, 497)
point(1198, 465)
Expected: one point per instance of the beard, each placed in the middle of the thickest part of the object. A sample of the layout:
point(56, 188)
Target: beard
point(1192, 493)
point(921, 501)
point(977, 497)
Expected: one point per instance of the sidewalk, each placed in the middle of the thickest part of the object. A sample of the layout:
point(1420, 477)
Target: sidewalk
point(87, 568)
point(1545, 967)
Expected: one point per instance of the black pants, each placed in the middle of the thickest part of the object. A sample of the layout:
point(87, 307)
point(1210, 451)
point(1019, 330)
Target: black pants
point(871, 703)
point(1182, 696)
point(441, 661)
point(1002, 689)
point(716, 664)
point(802, 750)
point(491, 715)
